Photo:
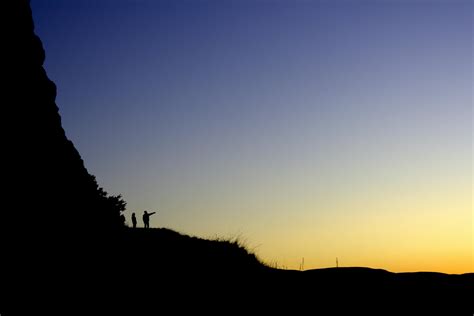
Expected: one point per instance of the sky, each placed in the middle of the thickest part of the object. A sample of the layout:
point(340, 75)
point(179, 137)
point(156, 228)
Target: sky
point(309, 129)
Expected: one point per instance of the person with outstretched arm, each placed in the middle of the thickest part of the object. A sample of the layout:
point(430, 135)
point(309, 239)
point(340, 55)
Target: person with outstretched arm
point(146, 218)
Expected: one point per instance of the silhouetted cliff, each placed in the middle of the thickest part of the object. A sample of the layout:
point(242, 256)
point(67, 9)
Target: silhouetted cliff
point(52, 188)
point(54, 213)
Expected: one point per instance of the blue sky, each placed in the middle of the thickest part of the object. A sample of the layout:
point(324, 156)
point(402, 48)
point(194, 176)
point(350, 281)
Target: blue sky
point(313, 129)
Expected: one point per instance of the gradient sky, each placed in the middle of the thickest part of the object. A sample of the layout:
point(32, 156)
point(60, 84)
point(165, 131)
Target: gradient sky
point(315, 129)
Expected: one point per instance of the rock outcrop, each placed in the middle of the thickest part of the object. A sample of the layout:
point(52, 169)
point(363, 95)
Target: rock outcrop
point(54, 215)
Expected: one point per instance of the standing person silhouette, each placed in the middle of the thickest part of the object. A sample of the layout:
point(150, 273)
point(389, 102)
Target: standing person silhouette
point(146, 218)
point(134, 220)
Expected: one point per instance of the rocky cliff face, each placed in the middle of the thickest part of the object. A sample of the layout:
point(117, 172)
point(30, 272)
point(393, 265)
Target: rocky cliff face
point(53, 188)
point(53, 211)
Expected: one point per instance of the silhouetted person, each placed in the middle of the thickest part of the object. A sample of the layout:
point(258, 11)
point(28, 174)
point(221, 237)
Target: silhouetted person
point(146, 218)
point(122, 219)
point(134, 220)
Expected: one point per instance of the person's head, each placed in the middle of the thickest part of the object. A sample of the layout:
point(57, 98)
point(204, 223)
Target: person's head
point(133, 214)
point(145, 212)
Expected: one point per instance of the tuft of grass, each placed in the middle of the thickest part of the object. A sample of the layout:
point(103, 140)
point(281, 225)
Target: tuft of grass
point(274, 264)
point(239, 244)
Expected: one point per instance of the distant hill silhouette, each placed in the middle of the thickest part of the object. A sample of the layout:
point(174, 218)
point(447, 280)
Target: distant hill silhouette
point(64, 250)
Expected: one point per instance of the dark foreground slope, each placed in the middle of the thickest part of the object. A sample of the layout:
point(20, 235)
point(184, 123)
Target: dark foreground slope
point(149, 271)
point(211, 275)
point(159, 271)
point(217, 275)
